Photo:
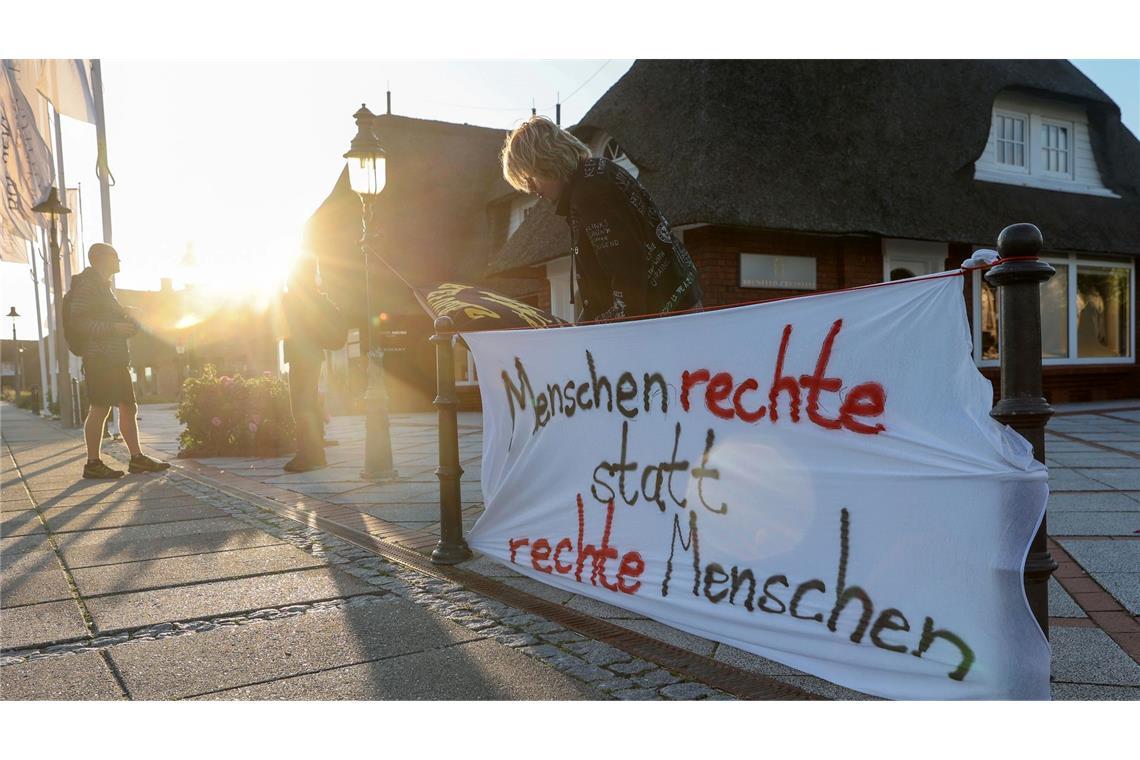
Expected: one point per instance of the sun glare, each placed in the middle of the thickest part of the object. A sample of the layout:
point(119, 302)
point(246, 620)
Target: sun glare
point(187, 320)
point(252, 276)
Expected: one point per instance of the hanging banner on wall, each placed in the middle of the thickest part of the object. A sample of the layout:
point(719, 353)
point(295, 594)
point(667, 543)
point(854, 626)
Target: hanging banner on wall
point(817, 481)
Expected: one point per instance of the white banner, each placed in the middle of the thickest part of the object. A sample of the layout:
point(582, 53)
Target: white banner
point(13, 248)
point(26, 72)
point(66, 83)
point(25, 163)
point(816, 480)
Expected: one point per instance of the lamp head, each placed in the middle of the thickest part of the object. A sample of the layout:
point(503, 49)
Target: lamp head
point(51, 204)
point(366, 160)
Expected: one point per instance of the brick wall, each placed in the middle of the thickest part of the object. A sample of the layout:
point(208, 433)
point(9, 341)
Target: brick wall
point(1062, 385)
point(841, 262)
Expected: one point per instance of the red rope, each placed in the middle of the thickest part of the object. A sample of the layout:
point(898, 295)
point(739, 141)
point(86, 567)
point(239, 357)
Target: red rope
point(952, 273)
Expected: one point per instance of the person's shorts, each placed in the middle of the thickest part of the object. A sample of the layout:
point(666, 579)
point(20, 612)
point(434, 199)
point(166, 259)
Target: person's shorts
point(108, 384)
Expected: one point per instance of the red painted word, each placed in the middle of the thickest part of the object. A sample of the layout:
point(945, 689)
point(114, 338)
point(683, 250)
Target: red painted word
point(544, 561)
point(726, 399)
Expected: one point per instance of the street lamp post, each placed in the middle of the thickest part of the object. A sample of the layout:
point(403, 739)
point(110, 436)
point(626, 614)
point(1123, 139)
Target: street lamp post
point(367, 176)
point(180, 359)
point(53, 208)
point(13, 315)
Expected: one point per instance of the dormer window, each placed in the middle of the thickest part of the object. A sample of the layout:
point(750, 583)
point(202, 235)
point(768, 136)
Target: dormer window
point(1055, 148)
point(613, 150)
point(1009, 140)
point(521, 206)
point(1039, 142)
point(608, 147)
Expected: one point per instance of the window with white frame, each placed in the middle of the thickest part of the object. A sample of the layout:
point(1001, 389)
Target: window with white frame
point(1055, 150)
point(608, 147)
point(465, 373)
point(1009, 132)
point(521, 207)
point(613, 150)
point(1087, 312)
point(1042, 142)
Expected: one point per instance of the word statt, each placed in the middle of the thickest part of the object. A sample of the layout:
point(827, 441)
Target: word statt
point(817, 481)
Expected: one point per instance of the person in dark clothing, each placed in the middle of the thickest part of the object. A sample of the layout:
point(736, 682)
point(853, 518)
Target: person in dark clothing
point(105, 327)
point(627, 261)
point(310, 317)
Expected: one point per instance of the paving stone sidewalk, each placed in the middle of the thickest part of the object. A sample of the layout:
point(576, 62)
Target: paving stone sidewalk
point(161, 587)
point(1094, 458)
point(1093, 452)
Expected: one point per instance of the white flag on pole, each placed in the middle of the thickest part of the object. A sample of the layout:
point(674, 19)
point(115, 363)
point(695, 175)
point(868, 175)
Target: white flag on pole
point(73, 233)
point(67, 84)
point(27, 73)
point(25, 165)
point(12, 246)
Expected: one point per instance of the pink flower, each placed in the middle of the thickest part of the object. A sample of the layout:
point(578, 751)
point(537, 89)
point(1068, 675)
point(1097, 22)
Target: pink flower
point(253, 427)
point(216, 422)
point(226, 380)
point(255, 419)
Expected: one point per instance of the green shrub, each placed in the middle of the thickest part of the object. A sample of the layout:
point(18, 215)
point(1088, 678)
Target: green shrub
point(234, 416)
point(22, 399)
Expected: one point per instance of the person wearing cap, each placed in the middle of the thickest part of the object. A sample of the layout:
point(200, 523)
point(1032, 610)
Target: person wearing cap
point(105, 326)
point(627, 261)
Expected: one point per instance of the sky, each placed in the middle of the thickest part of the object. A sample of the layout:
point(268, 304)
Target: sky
point(231, 159)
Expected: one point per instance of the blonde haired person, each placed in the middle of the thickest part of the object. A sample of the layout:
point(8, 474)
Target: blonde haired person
point(627, 261)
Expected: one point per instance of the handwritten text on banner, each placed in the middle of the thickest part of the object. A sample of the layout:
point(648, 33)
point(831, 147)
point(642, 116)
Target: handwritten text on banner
point(816, 481)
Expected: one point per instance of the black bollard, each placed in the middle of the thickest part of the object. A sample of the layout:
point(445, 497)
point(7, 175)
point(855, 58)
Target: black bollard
point(452, 548)
point(1022, 405)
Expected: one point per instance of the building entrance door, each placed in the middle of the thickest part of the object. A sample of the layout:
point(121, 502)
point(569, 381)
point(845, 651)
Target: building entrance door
point(912, 258)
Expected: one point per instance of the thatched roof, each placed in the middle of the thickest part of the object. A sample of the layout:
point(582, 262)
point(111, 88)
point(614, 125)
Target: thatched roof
point(542, 237)
point(440, 177)
point(880, 147)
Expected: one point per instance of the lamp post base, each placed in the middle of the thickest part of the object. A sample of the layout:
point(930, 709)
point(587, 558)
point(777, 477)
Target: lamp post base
point(378, 461)
point(379, 476)
point(450, 553)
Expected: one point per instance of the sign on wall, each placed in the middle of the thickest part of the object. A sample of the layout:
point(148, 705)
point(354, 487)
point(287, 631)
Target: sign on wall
point(816, 481)
point(762, 270)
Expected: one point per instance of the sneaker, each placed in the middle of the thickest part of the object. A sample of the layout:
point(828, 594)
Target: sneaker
point(100, 471)
point(143, 463)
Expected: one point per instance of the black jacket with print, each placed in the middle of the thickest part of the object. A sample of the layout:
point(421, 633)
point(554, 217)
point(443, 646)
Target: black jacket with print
point(628, 262)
